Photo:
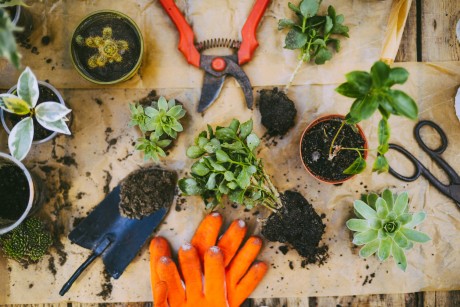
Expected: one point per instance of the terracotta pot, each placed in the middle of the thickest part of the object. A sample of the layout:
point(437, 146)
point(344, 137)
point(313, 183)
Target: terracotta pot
point(309, 127)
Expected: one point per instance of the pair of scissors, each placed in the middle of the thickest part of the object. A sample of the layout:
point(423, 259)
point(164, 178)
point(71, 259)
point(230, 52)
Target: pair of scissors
point(218, 67)
point(452, 190)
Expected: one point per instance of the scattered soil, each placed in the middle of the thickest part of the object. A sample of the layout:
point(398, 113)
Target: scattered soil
point(146, 190)
point(277, 110)
point(298, 225)
point(315, 149)
point(106, 287)
point(14, 191)
point(122, 29)
point(45, 94)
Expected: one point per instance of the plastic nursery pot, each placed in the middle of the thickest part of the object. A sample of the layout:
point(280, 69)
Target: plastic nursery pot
point(107, 47)
point(47, 92)
point(315, 143)
point(22, 18)
point(21, 193)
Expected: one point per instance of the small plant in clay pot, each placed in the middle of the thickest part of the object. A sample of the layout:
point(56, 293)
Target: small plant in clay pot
point(107, 47)
point(384, 226)
point(227, 166)
point(32, 109)
point(159, 124)
point(315, 36)
point(21, 193)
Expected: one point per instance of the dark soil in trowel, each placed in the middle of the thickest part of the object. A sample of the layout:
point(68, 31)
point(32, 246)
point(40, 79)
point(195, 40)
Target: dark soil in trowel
point(315, 149)
point(14, 191)
point(146, 190)
point(277, 110)
point(298, 225)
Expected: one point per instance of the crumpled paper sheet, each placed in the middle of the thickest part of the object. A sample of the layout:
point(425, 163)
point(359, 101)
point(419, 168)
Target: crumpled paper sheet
point(80, 169)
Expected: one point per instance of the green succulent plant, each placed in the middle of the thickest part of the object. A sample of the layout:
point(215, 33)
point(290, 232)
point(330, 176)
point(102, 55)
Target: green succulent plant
point(152, 147)
point(385, 226)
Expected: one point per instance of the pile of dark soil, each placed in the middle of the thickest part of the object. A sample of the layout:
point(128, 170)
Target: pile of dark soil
point(146, 190)
point(298, 225)
point(14, 191)
point(277, 110)
point(315, 149)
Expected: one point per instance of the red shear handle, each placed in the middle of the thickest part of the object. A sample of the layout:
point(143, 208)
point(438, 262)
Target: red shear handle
point(248, 33)
point(187, 38)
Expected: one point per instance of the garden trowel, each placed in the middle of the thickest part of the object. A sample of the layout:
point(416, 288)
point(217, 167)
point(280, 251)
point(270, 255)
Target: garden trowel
point(115, 238)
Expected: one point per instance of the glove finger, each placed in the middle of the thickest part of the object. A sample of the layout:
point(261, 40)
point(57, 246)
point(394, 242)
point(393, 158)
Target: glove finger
point(247, 284)
point(191, 271)
point(160, 294)
point(167, 271)
point(159, 247)
point(214, 277)
point(243, 260)
point(207, 233)
point(231, 240)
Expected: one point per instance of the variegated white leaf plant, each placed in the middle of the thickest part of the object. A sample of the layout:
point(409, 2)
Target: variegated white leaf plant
point(50, 114)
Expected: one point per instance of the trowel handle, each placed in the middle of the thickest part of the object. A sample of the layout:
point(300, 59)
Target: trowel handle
point(77, 273)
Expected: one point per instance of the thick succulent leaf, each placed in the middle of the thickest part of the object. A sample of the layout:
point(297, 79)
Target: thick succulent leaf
point(399, 256)
point(375, 224)
point(194, 152)
point(211, 184)
point(415, 235)
point(388, 196)
point(246, 129)
point(58, 126)
point(309, 8)
point(295, 39)
point(404, 218)
point(369, 249)
point(358, 225)
point(401, 203)
point(417, 218)
point(285, 23)
point(365, 237)
point(200, 169)
point(171, 103)
point(13, 104)
point(51, 111)
point(252, 141)
point(371, 199)
point(151, 112)
point(363, 209)
point(222, 156)
point(28, 87)
point(21, 137)
point(382, 208)
point(384, 249)
point(174, 111)
point(400, 239)
point(162, 104)
point(190, 186)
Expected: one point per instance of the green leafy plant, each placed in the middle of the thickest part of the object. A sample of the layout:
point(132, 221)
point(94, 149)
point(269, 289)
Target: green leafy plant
point(159, 124)
point(51, 115)
point(385, 226)
point(227, 165)
point(314, 35)
point(28, 242)
point(7, 3)
point(372, 91)
point(8, 46)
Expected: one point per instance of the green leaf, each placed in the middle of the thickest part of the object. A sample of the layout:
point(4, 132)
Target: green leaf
point(225, 134)
point(328, 26)
point(361, 80)
point(331, 12)
point(400, 239)
point(285, 23)
point(28, 87)
point(323, 56)
point(13, 3)
point(398, 75)
point(189, 186)
point(51, 111)
point(295, 39)
point(162, 104)
point(309, 8)
point(212, 146)
point(294, 8)
point(236, 196)
point(366, 108)
point(175, 111)
point(222, 156)
point(417, 218)
point(215, 165)
point(369, 249)
point(13, 104)
point(234, 125)
point(401, 203)
point(151, 112)
point(358, 225)
point(201, 141)
point(211, 184)
point(340, 29)
point(336, 43)
point(59, 126)
point(363, 209)
point(380, 165)
point(232, 185)
point(200, 169)
point(384, 249)
point(415, 235)
point(403, 104)
point(382, 208)
point(229, 176)
point(349, 90)
point(372, 199)
point(194, 152)
point(383, 131)
point(20, 138)
point(356, 167)
point(252, 141)
point(404, 218)
point(379, 73)
point(362, 238)
point(388, 196)
point(398, 255)
point(243, 178)
point(164, 143)
point(246, 129)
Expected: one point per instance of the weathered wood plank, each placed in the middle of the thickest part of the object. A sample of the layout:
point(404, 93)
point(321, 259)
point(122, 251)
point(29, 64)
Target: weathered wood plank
point(408, 48)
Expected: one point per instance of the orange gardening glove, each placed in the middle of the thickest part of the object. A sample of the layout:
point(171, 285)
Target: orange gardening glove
point(241, 277)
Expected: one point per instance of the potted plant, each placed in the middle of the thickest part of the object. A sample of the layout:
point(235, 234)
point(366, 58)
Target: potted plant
point(32, 111)
point(372, 91)
point(20, 17)
point(21, 193)
point(316, 36)
point(159, 124)
point(8, 47)
point(107, 47)
point(384, 226)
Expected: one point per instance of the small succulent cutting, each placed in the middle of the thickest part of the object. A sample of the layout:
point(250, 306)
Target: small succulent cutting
point(385, 226)
point(227, 165)
point(159, 124)
point(50, 114)
point(8, 46)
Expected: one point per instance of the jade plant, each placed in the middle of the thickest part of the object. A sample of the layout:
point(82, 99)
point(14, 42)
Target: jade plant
point(314, 35)
point(373, 91)
point(227, 165)
point(28, 242)
point(8, 46)
point(50, 114)
point(384, 226)
point(159, 124)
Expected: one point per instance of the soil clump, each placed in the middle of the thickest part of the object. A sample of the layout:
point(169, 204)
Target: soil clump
point(14, 191)
point(277, 110)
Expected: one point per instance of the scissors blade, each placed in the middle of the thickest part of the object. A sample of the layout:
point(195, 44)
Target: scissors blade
point(235, 71)
point(212, 86)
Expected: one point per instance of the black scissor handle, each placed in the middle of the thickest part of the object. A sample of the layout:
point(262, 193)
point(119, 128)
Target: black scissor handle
point(417, 165)
point(438, 129)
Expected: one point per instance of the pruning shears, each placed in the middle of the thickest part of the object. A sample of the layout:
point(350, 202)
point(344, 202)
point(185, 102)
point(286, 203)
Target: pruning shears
point(218, 67)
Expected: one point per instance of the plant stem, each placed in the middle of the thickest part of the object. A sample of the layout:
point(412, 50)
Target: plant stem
point(335, 137)
point(296, 70)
